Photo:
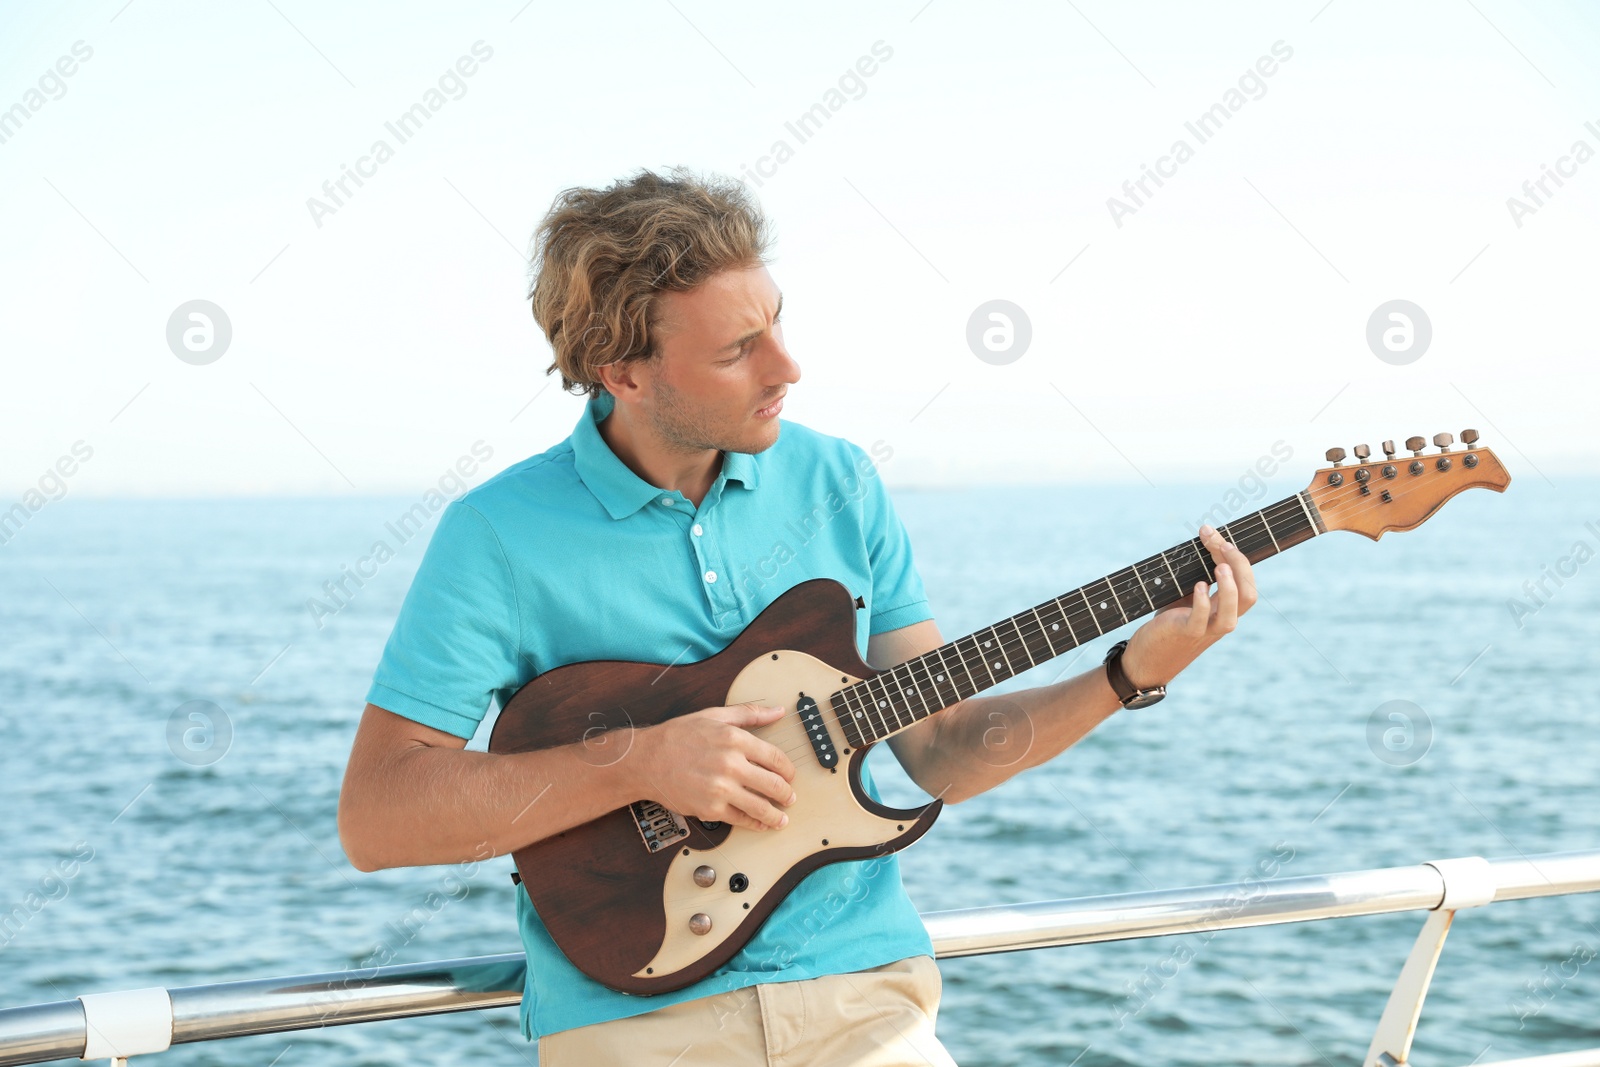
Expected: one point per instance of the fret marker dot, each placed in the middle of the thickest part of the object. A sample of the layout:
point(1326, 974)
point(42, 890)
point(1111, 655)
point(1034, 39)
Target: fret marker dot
point(938, 677)
point(1102, 603)
point(1055, 626)
point(883, 703)
point(1158, 581)
point(997, 664)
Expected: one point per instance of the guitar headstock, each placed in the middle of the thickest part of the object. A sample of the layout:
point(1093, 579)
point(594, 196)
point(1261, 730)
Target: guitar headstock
point(1401, 492)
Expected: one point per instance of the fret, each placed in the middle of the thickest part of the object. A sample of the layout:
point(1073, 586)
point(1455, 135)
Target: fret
point(882, 704)
point(992, 679)
point(1021, 637)
point(869, 729)
point(897, 701)
point(1083, 593)
point(1301, 497)
point(846, 713)
point(1142, 587)
point(1270, 534)
point(944, 672)
point(1200, 554)
point(1064, 618)
point(872, 724)
point(1114, 600)
point(863, 719)
point(973, 687)
point(1011, 671)
point(1126, 601)
point(1262, 519)
point(917, 689)
point(1164, 593)
point(1177, 584)
point(1049, 643)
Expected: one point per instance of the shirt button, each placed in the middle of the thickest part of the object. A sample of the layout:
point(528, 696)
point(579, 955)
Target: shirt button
point(711, 576)
point(666, 501)
point(697, 530)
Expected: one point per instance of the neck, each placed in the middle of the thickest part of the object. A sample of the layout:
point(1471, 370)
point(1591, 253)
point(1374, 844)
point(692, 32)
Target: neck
point(894, 699)
point(643, 452)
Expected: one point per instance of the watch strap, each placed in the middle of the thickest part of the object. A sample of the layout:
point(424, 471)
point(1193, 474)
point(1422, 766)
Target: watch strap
point(1127, 692)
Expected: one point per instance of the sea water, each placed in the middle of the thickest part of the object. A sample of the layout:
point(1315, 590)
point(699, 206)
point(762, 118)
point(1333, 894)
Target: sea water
point(143, 846)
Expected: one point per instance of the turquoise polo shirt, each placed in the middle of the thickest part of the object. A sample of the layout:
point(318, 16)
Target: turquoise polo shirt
point(569, 556)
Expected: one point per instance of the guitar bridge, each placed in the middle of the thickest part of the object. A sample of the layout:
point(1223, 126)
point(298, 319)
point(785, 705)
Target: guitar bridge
point(659, 826)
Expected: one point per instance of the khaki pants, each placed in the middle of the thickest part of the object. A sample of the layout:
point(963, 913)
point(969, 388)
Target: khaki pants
point(881, 1017)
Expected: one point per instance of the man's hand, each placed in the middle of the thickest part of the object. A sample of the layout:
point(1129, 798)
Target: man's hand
point(1169, 642)
point(708, 764)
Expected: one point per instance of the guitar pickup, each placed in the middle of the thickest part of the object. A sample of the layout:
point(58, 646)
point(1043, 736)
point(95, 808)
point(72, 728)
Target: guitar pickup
point(817, 732)
point(659, 826)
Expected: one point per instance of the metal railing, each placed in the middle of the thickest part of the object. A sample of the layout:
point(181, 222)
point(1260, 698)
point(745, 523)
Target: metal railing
point(62, 1030)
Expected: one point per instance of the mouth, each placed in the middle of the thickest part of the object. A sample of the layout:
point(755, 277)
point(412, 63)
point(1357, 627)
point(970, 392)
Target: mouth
point(771, 409)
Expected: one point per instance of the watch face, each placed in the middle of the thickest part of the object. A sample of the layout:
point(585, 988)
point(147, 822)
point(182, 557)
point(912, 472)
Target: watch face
point(1145, 697)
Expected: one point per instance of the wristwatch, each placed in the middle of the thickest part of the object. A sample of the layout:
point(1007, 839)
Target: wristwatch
point(1130, 695)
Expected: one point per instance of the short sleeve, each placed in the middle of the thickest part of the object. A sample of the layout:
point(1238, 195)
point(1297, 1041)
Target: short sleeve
point(456, 641)
point(898, 598)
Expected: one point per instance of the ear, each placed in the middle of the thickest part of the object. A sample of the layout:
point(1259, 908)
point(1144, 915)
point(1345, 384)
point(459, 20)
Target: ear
point(623, 380)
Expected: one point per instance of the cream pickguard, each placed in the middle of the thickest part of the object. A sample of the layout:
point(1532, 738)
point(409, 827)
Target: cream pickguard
point(825, 815)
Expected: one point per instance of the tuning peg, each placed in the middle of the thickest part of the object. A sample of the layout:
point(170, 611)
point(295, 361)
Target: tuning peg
point(1416, 444)
point(1362, 452)
point(1469, 437)
point(1443, 440)
point(1336, 455)
point(1388, 449)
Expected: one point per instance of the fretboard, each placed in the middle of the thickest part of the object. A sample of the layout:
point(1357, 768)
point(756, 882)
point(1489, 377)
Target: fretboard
point(892, 700)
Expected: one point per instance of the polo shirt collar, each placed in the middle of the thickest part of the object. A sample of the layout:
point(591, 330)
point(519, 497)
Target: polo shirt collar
point(620, 491)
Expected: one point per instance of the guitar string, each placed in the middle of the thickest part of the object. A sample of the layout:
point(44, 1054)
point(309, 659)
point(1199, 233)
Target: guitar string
point(790, 735)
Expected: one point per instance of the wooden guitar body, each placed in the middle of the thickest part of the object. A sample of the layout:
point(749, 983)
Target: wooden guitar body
point(635, 918)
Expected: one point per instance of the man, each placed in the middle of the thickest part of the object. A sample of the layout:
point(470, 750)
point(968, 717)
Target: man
point(648, 535)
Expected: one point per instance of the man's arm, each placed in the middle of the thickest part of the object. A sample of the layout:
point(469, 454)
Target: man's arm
point(413, 795)
point(982, 741)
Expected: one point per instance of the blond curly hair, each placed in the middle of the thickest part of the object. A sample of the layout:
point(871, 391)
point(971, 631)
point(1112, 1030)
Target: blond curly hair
point(601, 257)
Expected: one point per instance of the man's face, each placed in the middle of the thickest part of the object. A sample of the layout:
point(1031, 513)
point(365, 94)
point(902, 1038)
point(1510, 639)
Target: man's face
point(722, 360)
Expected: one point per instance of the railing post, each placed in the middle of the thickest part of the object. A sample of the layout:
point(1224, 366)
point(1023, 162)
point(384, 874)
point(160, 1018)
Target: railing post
point(1469, 882)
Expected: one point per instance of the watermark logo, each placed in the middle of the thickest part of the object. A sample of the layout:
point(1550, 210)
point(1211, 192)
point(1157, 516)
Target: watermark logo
point(52, 86)
point(341, 591)
point(1136, 192)
point(199, 733)
point(1536, 192)
point(54, 886)
point(1251, 486)
point(851, 85)
point(199, 332)
point(1399, 733)
point(451, 85)
point(51, 486)
point(1552, 576)
point(1399, 332)
point(999, 332)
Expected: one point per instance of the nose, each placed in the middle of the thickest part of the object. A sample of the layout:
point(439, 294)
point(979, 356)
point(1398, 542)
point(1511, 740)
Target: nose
point(785, 369)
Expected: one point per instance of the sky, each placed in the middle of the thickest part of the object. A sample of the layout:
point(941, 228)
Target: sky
point(1334, 252)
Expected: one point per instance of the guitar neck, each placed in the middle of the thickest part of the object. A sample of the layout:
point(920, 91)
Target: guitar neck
point(895, 699)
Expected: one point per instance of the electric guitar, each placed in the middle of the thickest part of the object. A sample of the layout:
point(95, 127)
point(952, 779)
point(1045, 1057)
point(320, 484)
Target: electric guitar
point(645, 900)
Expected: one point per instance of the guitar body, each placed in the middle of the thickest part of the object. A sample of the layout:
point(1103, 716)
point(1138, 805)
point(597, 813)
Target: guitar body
point(619, 895)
